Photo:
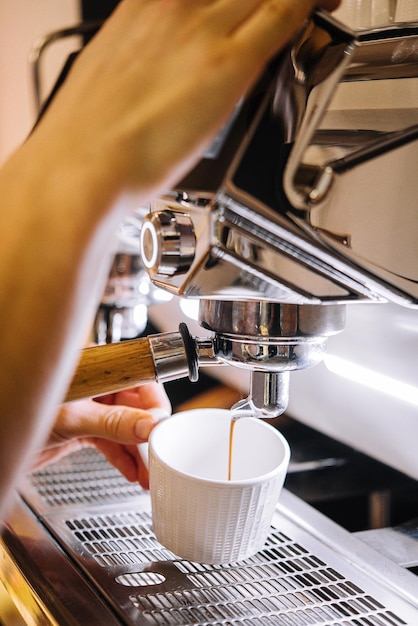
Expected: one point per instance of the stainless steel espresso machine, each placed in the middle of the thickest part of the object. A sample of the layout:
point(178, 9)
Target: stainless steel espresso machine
point(275, 232)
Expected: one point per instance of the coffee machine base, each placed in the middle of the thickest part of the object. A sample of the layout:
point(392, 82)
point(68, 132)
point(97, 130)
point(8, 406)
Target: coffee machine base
point(79, 549)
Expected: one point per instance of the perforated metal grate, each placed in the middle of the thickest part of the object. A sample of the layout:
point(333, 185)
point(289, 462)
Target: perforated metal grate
point(282, 584)
point(119, 539)
point(84, 477)
point(104, 524)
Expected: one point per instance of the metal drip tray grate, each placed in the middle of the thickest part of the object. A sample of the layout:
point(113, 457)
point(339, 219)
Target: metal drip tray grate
point(120, 539)
point(297, 579)
point(81, 478)
point(282, 584)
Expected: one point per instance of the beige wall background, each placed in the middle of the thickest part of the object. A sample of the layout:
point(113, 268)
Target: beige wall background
point(22, 22)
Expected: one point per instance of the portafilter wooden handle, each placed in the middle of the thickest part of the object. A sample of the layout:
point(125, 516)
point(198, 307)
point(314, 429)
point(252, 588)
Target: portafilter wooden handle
point(113, 367)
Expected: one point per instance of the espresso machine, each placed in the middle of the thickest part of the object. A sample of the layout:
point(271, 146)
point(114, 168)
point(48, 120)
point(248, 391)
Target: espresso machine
point(277, 233)
point(274, 232)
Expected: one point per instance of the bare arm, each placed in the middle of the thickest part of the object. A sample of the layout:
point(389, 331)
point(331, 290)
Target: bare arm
point(140, 103)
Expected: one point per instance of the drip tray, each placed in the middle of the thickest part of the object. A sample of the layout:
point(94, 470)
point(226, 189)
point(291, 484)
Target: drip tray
point(310, 571)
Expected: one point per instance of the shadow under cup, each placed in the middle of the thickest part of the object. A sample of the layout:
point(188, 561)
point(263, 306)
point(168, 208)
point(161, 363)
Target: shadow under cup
point(200, 515)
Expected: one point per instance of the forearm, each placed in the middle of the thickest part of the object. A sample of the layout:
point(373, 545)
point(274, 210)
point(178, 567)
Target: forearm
point(51, 251)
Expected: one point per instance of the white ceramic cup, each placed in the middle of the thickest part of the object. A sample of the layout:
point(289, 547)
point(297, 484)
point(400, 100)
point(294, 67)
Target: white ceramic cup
point(198, 513)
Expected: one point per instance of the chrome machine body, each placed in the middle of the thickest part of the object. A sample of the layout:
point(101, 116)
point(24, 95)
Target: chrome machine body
point(123, 309)
point(274, 230)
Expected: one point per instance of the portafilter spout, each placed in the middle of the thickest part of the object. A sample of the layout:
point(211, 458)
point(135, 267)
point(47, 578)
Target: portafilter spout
point(271, 339)
point(268, 397)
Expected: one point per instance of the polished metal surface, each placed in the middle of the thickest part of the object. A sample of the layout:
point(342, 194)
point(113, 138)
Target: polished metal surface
point(309, 572)
point(170, 357)
point(399, 544)
point(271, 321)
point(268, 397)
point(319, 62)
point(44, 585)
point(303, 202)
point(168, 243)
point(270, 339)
point(122, 313)
point(123, 308)
point(269, 393)
point(178, 354)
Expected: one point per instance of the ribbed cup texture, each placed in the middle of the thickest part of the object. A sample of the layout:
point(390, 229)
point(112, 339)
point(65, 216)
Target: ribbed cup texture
point(211, 522)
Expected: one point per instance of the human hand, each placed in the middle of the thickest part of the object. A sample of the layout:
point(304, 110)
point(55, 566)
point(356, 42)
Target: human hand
point(115, 424)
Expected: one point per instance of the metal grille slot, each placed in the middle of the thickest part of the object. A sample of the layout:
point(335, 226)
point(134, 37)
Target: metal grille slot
point(140, 579)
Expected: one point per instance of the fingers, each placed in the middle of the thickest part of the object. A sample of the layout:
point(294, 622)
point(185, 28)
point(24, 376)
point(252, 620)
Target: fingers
point(114, 429)
point(126, 459)
point(119, 423)
point(123, 417)
point(119, 456)
point(87, 418)
point(146, 397)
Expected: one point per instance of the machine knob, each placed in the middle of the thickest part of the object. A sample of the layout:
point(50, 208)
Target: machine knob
point(168, 243)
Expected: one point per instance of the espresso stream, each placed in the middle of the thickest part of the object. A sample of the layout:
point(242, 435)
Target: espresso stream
point(231, 445)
